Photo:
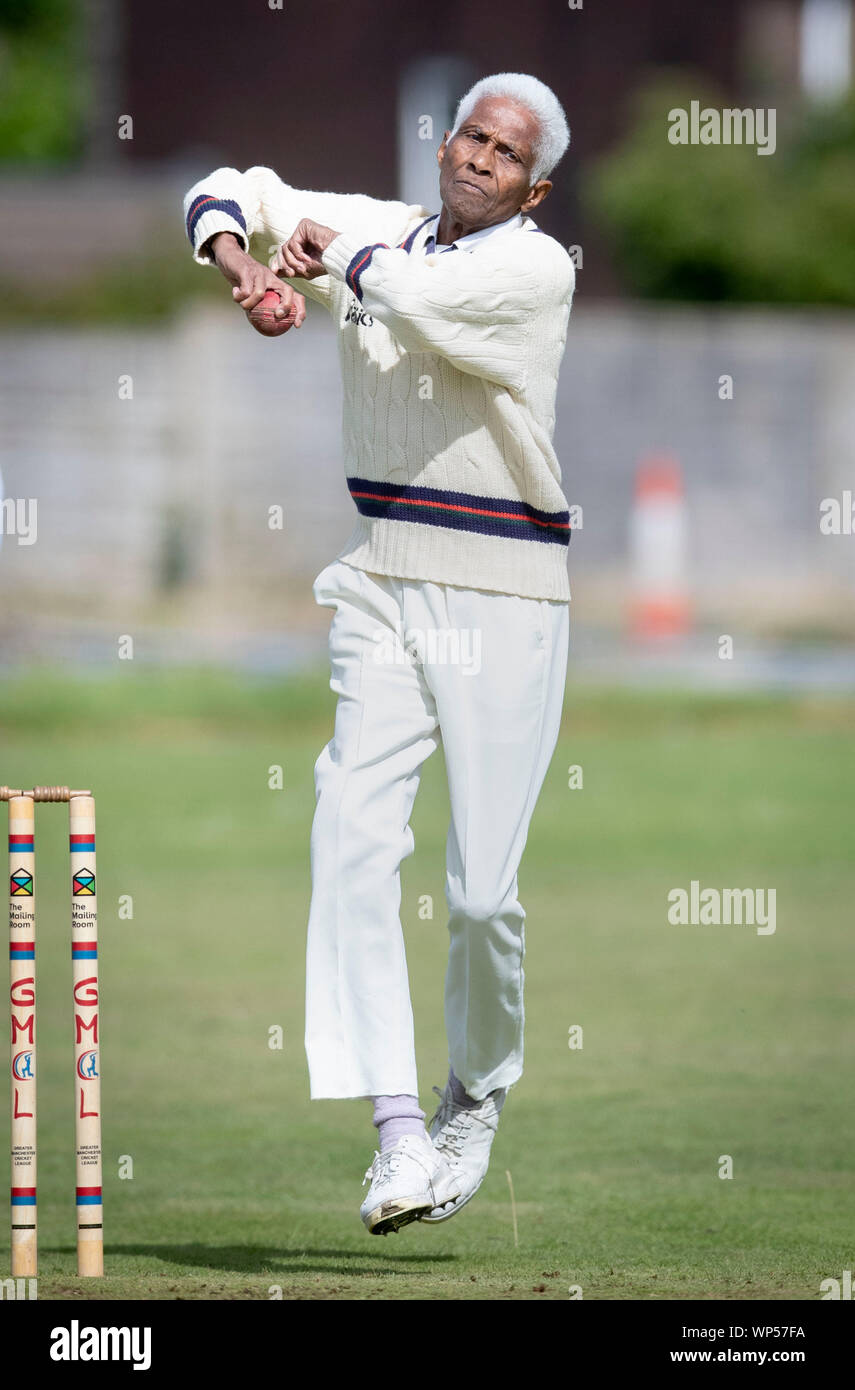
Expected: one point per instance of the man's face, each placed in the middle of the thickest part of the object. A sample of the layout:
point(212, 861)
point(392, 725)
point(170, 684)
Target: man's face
point(485, 167)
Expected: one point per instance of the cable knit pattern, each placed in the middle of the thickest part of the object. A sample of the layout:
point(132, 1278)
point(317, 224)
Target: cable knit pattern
point(449, 369)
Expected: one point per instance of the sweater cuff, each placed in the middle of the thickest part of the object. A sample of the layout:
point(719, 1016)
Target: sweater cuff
point(207, 216)
point(346, 260)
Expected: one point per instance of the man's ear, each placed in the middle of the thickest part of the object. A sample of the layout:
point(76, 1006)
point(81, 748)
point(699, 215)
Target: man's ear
point(536, 195)
point(440, 154)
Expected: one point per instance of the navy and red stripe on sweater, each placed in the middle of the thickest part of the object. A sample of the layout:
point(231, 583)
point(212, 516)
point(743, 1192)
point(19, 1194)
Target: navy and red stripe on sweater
point(459, 511)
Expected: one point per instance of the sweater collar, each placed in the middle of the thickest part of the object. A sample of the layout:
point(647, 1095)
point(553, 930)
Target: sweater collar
point(425, 234)
point(465, 243)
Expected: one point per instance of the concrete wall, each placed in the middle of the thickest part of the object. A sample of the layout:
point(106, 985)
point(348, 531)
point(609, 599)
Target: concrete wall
point(153, 511)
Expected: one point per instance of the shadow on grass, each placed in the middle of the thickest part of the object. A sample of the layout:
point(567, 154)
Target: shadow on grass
point(264, 1259)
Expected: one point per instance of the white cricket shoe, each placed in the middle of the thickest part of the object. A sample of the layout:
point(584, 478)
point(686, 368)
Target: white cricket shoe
point(464, 1139)
point(407, 1182)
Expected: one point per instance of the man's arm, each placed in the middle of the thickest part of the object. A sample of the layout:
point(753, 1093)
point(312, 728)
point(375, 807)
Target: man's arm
point(259, 202)
point(477, 310)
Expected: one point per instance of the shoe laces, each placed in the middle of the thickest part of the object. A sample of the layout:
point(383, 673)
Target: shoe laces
point(384, 1167)
point(455, 1124)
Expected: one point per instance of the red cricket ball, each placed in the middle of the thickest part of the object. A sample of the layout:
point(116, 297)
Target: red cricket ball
point(262, 316)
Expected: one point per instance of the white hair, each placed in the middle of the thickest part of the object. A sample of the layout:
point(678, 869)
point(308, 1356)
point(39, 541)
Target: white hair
point(553, 132)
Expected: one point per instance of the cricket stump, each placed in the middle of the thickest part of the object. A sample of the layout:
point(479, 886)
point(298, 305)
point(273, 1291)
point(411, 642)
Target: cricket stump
point(87, 1062)
point(22, 994)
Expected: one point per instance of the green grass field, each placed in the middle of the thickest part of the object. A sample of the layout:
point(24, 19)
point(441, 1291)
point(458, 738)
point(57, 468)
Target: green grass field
point(698, 1041)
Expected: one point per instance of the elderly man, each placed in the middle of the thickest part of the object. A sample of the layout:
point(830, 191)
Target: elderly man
point(451, 329)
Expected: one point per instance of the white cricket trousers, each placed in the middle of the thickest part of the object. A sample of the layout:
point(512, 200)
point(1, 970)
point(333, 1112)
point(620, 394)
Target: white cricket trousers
point(487, 683)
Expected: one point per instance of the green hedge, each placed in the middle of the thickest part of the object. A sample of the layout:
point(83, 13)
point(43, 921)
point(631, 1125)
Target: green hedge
point(719, 222)
point(149, 290)
point(41, 92)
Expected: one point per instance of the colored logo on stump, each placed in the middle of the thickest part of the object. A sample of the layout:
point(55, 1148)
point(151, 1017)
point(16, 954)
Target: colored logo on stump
point(21, 884)
point(83, 884)
point(22, 1066)
point(87, 1066)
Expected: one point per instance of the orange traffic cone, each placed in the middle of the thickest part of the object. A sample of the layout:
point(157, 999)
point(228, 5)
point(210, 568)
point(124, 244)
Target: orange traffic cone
point(660, 605)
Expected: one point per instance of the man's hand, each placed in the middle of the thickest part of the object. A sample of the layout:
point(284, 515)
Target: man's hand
point(252, 280)
point(301, 254)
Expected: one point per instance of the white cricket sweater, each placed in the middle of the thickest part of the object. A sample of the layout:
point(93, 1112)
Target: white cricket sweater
point(449, 367)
